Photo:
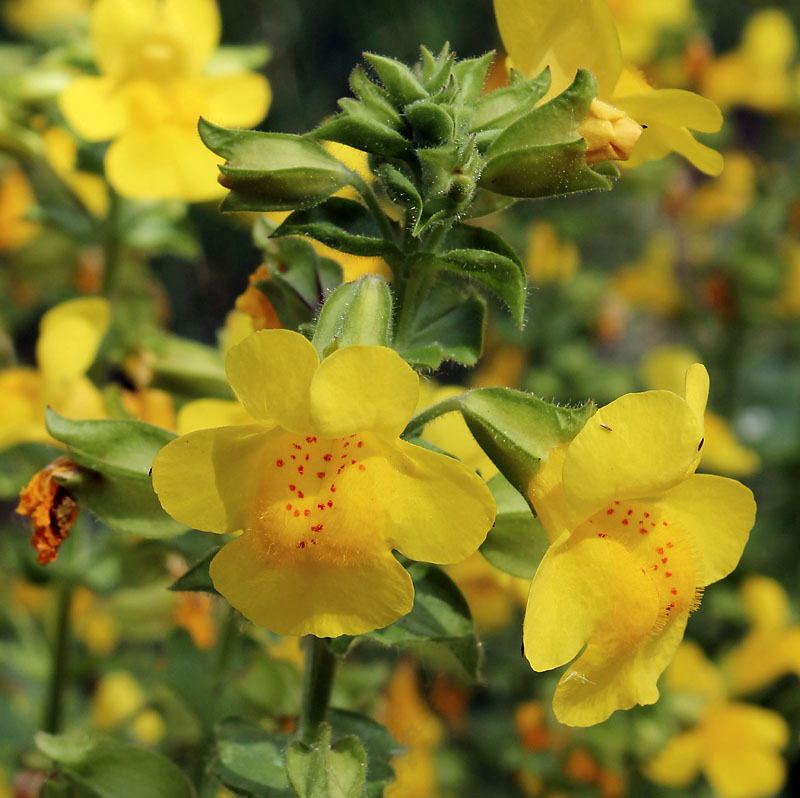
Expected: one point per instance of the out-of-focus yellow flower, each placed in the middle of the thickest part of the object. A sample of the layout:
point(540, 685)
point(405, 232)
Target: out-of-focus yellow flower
point(154, 84)
point(289, 649)
point(549, 259)
point(650, 282)
point(69, 336)
point(151, 405)
point(61, 151)
point(255, 305)
point(412, 724)
point(737, 746)
point(574, 34)
point(323, 488)
point(757, 73)
point(119, 699)
point(33, 16)
point(16, 200)
point(725, 198)
point(93, 622)
point(501, 365)
point(640, 23)
point(663, 369)
point(772, 647)
point(635, 536)
point(195, 613)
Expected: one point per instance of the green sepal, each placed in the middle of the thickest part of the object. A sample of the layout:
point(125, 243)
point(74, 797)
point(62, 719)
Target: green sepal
point(438, 628)
point(517, 541)
point(402, 192)
point(485, 202)
point(500, 108)
point(358, 312)
point(471, 75)
point(250, 760)
point(431, 123)
point(482, 256)
point(322, 770)
point(375, 99)
point(197, 576)
point(438, 165)
point(517, 430)
point(273, 171)
point(542, 153)
point(108, 768)
point(342, 224)
point(436, 69)
point(113, 478)
point(358, 128)
point(400, 82)
point(449, 326)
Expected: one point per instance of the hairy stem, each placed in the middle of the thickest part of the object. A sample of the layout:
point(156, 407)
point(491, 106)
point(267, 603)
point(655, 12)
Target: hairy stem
point(59, 652)
point(320, 669)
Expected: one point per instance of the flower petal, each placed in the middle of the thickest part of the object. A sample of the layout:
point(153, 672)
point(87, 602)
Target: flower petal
point(163, 162)
point(546, 492)
point(207, 479)
point(716, 514)
point(765, 602)
point(93, 108)
point(295, 591)
point(208, 413)
point(240, 99)
point(567, 36)
point(671, 108)
point(198, 24)
point(427, 505)
point(678, 764)
point(660, 140)
point(115, 27)
point(696, 390)
point(69, 336)
point(360, 388)
point(586, 591)
point(639, 445)
point(271, 373)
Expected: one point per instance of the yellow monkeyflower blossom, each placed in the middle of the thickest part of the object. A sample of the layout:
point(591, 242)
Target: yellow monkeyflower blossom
point(574, 34)
point(650, 282)
point(736, 746)
point(69, 336)
point(663, 369)
point(757, 73)
point(548, 259)
point(61, 151)
point(16, 199)
point(322, 488)
point(155, 82)
point(33, 16)
point(727, 197)
point(640, 23)
point(635, 536)
point(119, 699)
point(771, 649)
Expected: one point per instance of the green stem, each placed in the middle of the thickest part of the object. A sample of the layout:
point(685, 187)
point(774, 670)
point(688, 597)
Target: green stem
point(59, 651)
point(224, 650)
point(112, 246)
point(320, 668)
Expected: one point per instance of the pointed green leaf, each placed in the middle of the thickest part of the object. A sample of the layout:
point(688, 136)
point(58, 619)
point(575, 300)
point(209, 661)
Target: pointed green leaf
point(197, 576)
point(399, 80)
point(343, 224)
point(375, 99)
point(431, 123)
point(402, 192)
point(471, 75)
point(498, 109)
point(364, 132)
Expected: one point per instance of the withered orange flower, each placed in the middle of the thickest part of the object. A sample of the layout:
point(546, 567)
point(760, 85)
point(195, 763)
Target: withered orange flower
point(51, 508)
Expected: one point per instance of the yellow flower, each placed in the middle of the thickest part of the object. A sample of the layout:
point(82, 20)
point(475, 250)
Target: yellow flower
point(151, 405)
point(650, 282)
point(16, 199)
point(789, 301)
point(725, 198)
point(155, 82)
point(31, 16)
point(61, 151)
point(663, 369)
point(735, 745)
point(322, 488)
point(640, 23)
point(756, 73)
point(635, 536)
point(772, 647)
point(548, 259)
point(574, 34)
point(69, 336)
point(119, 699)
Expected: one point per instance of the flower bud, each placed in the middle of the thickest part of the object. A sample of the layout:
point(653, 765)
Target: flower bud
point(610, 133)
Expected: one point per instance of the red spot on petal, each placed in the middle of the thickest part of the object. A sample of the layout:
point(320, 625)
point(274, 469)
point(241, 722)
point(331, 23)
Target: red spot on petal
point(288, 506)
point(668, 574)
point(297, 446)
point(333, 488)
point(625, 521)
point(352, 462)
point(301, 544)
point(669, 544)
point(665, 523)
point(297, 513)
point(616, 502)
point(630, 512)
point(313, 541)
point(660, 549)
point(279, 463)
point(321, 506)
point(300, 494)
point(601, 534)
point(299, 469)
point(663, 559)
point(347, 443)
point(642, 531)
point(293, 457)
point(306, 513)
point(311, 439)
point(674, 591)
point(360, 444)
point(320, 475)
point(647, 515)
point(330, 503)
point(610, 511)
point(307, 456)
point(654, 567)
point(292, 487)
point(316, 528)
point(362, 467)
point(327, 457)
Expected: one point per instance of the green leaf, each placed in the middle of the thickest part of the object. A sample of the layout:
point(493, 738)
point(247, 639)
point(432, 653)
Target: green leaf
point(111, 769)
point(482, 256)
point(360, 129)
point(499, 108)
point(436, 70)
point(273, 171)
point(517, 430)
point(375, 99)
point(399, 80)
point(471, 75)
point(197, 576)
point(542, 153)
point(402, 192)
point(322, 770)
point(439, 626)
point(359, 312)
point(431, 123)
point(114, 481)
point(378, 743)
point(250, 759)
point(449, 325)
point(343, 224)
point(517, 541)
